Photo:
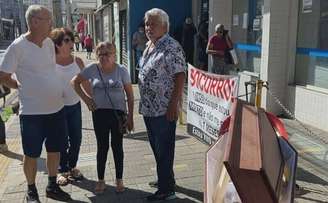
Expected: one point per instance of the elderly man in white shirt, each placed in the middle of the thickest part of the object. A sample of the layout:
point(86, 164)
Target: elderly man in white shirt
point(161, 81)
point(31, 57)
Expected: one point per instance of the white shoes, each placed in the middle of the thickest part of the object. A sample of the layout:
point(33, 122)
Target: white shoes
point(3, 148)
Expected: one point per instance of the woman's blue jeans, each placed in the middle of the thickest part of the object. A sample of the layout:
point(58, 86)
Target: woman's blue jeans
point(161, 133)
point(69, 157)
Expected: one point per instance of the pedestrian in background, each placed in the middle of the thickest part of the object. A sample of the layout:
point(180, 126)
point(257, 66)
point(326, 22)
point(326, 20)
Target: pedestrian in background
point(88, 43)
point(110, 84)
point(187, 42)
point(77, 42)
point(139, 41)
point(161, 82)
point(31, 57)
point(217, 45)
point(202, 44)
point(67, 67)
point(82, 38)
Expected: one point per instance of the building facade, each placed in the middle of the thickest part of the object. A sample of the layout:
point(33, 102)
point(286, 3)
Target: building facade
point(285, 43)
point(46, 3)
point(9, 19)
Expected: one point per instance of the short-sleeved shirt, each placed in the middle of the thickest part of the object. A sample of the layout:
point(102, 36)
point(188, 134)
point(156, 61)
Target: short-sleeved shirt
point(219, 43)
point(114, 82)
point(40, 90)
point(156, 76)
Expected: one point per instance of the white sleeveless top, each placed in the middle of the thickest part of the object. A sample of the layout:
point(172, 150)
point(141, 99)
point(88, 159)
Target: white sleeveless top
point(66, 73)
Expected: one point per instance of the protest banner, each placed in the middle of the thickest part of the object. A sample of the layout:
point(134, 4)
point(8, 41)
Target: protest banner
point(209, 102)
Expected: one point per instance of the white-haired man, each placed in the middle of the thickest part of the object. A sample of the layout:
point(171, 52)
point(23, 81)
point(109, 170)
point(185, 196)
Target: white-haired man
point(161, 81)
point(32, 58)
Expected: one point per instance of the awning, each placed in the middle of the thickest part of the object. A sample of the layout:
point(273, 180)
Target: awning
point(8, 20)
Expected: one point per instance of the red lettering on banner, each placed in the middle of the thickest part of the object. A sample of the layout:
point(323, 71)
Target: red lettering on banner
point(208, 84)
point(192, 77)
point(213, 86)
point(223, 88)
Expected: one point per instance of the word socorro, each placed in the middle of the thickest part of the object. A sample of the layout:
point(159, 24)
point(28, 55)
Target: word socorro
point(219, 87)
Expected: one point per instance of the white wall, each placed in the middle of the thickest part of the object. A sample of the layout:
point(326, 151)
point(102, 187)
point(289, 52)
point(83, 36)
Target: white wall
point(278, 36)
point(309, 106)
point(220, 11)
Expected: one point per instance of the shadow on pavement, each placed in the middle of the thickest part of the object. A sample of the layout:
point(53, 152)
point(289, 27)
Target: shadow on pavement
point(144, 137)
point(129, 195)
point(191, 193)
point(13, 155)
point(303, 175)
point(312, 200)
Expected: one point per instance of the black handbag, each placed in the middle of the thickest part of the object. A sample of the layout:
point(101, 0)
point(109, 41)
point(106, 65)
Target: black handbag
point(227, 56)
point(121, 116)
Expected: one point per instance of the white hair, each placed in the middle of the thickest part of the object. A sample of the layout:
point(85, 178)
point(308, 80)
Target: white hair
point(161, 14)
point(218, 27)
point(31, 11)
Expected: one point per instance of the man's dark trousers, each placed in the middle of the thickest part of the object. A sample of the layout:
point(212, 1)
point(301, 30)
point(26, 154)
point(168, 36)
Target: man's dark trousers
point(161, 133)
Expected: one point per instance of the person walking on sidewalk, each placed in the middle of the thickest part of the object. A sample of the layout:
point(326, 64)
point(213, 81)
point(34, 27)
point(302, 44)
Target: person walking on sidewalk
point(88, 45)
point(110, 83)
point(67, 67)
point(161, 82)
point(77, 42)
point(42, 119)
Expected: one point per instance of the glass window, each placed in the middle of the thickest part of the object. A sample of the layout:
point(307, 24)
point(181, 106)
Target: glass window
point(246, 33)
point(312, 45)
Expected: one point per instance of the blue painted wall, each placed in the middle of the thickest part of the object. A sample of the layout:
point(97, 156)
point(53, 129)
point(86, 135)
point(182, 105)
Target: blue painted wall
point(177, 10)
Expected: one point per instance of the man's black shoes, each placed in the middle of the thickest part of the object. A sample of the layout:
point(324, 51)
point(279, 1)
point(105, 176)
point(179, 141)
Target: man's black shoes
point(55, 192)
point(157, 196)
point(153, 184)
point(32, 197)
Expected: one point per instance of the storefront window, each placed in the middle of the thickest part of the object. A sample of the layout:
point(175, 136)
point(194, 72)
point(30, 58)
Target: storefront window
point(312, 44)
point(246, 33)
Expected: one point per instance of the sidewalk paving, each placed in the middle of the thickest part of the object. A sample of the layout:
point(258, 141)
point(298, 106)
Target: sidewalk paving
point(140, 168)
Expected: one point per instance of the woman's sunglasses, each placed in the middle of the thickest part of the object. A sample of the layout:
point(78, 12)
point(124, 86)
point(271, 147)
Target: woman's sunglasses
point(106, 54)
point(67, 40)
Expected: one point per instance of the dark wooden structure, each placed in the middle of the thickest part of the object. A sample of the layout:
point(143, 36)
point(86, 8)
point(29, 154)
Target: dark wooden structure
point(253, 157)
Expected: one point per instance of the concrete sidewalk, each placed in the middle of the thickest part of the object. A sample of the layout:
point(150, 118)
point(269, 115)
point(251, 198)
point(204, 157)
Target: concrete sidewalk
point(140, 168)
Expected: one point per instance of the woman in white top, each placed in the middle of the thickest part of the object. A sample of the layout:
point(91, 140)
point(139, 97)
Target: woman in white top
point(67, 67)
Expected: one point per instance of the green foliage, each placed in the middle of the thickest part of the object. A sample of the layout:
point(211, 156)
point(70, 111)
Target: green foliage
point(6, 113)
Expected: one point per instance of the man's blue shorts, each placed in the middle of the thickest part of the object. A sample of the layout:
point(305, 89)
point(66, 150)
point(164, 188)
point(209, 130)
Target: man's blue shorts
point(35, 129)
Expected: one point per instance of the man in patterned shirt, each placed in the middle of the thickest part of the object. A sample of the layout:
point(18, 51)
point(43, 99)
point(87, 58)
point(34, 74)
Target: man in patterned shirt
point(161, 81)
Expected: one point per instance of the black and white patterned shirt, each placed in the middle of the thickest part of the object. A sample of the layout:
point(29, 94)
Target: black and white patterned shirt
point(156, 76)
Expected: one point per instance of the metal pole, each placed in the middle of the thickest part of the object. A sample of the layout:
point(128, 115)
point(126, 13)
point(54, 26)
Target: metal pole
point(21, 16)
point(258, 96)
